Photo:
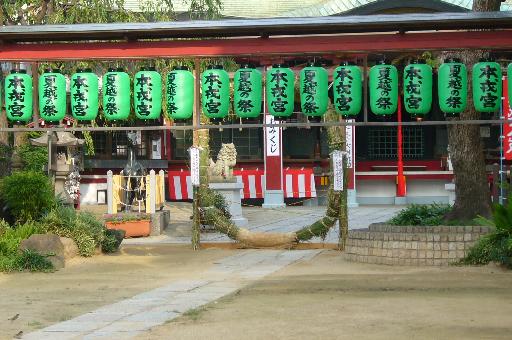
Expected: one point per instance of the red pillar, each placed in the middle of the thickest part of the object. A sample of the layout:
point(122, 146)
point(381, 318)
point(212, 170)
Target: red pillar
point(400, 179)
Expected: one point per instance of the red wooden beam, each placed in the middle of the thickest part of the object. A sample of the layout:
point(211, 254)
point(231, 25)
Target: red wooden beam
point(357, 43)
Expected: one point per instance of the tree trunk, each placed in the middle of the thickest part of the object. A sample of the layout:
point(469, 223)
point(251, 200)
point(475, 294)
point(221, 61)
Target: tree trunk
point(466, 149)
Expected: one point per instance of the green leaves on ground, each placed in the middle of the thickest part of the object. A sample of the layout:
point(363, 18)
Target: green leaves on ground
point(421, 214)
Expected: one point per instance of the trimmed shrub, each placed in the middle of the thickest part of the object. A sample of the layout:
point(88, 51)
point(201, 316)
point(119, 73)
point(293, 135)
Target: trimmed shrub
point(34, 158)
point(11, 238)
point(87, 231)
point(421, 214)
point(28, 195)
point(112, 240)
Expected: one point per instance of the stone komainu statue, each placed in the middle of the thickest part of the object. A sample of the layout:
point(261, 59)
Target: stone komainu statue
point(222, 170)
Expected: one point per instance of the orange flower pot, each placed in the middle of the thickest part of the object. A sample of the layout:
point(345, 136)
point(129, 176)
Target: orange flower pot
point(132, 228)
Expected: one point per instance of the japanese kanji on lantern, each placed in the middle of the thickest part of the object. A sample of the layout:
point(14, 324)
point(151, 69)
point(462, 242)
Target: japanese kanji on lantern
point(280, 91)
point(116, 94)
point(418, 88)
point(247, 98)
point(84, 95)
point(347, 89)
point(452, 86)
point(147, 92)
point(313, 90)
point(383, 89)
point(52, 96)
point(179, 92)
point(487, 86)
point(18, 96)
point(215, 92)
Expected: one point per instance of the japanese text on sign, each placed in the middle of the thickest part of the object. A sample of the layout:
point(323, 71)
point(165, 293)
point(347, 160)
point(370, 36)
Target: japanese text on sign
point(194, 166)
point(272, 133)
point(171, 93)
point(49, 96)
point(279, 81)
point(454, 101)
point(488, 81)
point(349, 147)
point(309, 89)
point(80, 89)
point(16, 92)
point(344, 88)
point(212, 92)
point(244, 89)
point(144, 87)
point(111, 93)
point(337, 168)
point(413, 79)
point(384, 86)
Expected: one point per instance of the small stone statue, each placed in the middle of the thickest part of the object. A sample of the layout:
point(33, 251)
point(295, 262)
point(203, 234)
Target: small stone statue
point(222, 170)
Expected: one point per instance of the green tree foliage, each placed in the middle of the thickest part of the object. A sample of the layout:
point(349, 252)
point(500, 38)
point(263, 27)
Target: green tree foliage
point(28, 194)
point(497, 245)
point(40, 12)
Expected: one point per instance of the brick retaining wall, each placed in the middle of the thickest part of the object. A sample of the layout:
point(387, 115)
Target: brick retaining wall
point(411, 245)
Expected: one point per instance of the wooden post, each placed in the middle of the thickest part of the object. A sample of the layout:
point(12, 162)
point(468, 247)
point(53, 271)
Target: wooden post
point(110, 192)
point(196, 225)
point(495, 183)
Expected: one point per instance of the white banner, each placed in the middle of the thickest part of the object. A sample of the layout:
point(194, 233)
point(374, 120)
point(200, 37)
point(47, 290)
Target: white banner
point(272, 138)
point(337, 169)
point(194, 166)
point(349, 146)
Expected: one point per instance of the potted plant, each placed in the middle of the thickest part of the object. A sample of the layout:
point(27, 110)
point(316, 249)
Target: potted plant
point(133, 224)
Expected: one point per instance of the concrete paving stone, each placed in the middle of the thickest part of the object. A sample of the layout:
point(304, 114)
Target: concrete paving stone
point(77, 326)
point(111, 335)
point(44, 335)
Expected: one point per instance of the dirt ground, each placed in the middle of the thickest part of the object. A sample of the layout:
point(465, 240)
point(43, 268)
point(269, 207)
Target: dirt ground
point(329, 298)
point(88, 283)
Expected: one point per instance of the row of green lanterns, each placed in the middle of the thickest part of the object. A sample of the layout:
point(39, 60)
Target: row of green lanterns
point(215, 85)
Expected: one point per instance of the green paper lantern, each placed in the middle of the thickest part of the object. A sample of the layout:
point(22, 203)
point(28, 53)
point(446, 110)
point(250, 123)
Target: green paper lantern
point(452, 86)
point(313, 90)
point(18, 96)
point(347, 89)
point(280, 91)
point(215, 92)
point(52, 96)
point(383, 89)
point(84, 95)
point(116, 95)
point(180, 93)
point(487, 86)
point(418, 88)
point(247, 97)
point(147, 93)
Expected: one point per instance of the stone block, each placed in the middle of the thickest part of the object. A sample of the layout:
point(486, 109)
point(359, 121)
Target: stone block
point(444, 245)
point(459, 245)
point(437, 246)
point(468, 237)
point(429, 254)
point(444, 238)
point(414, 245)
point(437, 237)
point(452, 246)
point(437, 254)
point(62, 248)
point(444, 254)
point(422, 254)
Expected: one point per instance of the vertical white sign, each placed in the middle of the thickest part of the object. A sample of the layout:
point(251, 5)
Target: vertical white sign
point(194, 165)
point(349, 146)
point(337, 168)
point(272, 139)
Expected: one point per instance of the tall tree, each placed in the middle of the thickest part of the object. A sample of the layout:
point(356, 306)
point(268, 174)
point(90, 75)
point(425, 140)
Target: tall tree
point(466, 149)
